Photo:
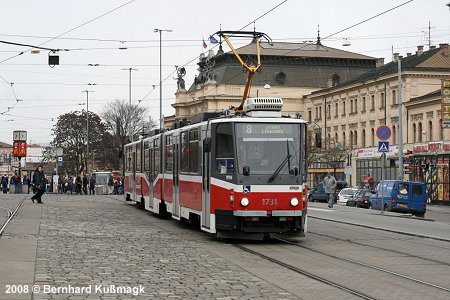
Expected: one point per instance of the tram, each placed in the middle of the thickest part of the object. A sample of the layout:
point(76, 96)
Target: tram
point(234, 174)
point(239, 174)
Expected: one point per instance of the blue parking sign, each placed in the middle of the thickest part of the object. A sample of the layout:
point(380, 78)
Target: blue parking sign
point(383, 146)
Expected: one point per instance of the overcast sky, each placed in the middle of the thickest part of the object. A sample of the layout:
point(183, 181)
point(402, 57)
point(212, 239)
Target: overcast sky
point(49, 92)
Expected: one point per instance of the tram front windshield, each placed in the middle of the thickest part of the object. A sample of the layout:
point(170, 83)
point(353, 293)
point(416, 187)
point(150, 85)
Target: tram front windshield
point(264, 146)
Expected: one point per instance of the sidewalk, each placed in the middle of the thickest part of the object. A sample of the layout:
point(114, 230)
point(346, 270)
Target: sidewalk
point(436, 223)
point(19, 247)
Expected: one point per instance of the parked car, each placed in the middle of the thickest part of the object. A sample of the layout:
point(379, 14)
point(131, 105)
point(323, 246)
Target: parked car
point(362, 198)
point(401, 196)
point(345, 195)
point(318, 193)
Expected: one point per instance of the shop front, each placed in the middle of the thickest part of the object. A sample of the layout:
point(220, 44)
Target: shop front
point(369, 166)
point(431, 164)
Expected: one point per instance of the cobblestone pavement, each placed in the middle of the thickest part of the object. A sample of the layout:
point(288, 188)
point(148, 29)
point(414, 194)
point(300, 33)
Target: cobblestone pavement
point(86, 241)
point(7, 203)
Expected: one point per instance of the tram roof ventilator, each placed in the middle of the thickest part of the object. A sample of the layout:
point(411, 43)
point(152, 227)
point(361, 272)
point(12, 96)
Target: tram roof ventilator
point(263, 107)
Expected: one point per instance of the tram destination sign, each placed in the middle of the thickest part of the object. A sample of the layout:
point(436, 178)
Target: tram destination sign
point(445, 103)
point(266, 129)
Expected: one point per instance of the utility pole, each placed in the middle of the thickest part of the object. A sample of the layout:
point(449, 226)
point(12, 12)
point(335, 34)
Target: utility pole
point(161, 117)
point(400, 121)
point(130, 134)
point(87, 130)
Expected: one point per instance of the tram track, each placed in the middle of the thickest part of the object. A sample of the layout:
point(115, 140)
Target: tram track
point(381, 248)
point(11, 214)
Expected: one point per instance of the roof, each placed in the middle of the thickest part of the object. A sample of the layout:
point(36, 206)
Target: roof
point(300, 50)
point(431, 60)
point(434, 94)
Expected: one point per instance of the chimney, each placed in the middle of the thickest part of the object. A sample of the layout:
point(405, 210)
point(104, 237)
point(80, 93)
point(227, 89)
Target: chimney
point(408, 54)
point(395, 57)
point(432, 47)
point(329, 83)
point(419, 50)
point(380, 62)
point(444, 49)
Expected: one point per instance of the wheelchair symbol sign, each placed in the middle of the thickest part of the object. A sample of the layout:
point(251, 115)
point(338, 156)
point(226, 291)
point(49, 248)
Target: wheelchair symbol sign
point(246, 189)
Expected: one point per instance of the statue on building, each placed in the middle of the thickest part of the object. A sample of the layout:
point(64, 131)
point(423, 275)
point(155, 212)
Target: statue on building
point(181, 72)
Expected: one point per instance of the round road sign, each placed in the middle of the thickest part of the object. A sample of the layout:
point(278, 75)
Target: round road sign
point(383, 132)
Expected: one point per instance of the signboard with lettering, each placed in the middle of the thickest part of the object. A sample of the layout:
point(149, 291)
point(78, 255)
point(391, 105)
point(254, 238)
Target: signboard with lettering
point(445, 103)
point(20, 149)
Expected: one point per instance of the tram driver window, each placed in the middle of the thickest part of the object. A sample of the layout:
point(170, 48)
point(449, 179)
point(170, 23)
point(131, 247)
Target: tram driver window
point(224, 149)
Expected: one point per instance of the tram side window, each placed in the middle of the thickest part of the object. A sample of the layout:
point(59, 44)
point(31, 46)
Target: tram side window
point(156, 158)
point(138, 157)
point(193, 153)
point(146, 156)
point(224, 149)
point(169, 154)
point(184, 152)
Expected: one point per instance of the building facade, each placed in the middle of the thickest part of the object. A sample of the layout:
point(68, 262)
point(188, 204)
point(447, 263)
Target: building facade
point(350, 113)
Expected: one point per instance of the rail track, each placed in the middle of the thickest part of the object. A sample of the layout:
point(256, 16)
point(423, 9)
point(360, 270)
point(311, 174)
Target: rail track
point(11, 214)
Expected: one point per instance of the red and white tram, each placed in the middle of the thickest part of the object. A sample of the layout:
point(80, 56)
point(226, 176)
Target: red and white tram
point(237, 175)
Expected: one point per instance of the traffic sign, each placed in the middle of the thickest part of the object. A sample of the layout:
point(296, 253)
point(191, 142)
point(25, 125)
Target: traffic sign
point(383, 146)
point(383, 132)
point(60, 161)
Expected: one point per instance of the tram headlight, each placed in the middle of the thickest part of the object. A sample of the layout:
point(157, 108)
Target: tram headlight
point(245, 201)
point(294, 201)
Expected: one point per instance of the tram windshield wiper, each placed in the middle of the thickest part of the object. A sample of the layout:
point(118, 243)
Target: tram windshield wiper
point(281, 166)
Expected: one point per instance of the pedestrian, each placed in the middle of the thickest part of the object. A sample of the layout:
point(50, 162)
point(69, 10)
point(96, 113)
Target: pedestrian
point(85, 184)
point(4, 183)
point(16, 181)
point(92, 183)
point(78, 184)
point(39, 183)
point(70, 184)
point(329, 185)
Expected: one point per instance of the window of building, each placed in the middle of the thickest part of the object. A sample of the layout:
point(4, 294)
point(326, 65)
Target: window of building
point(343, 108)
point(320, 112)
point(344, 142)
point(363, 138)
point(382, 100)
point(394, 97)
point(317, 112)
point(420, 131)
point(336, 109)
point(414, 133)
point(430, 131)
point(394, 134)
point(351, 138)
point(372, 100)
point(356, 138)
point(329, 111)
point(372, 137)
point(351, 106)
point(336, 137)
point(356, 106)
point(309, 115)
point(363, 104)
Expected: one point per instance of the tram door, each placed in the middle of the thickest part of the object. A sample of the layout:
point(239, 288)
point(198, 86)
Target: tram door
point(175, 176)
point(206, 178)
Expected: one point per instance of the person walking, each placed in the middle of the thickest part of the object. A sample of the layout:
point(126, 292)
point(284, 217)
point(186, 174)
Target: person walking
point(85, 184)
point(329, 185)
point(78, 184)
point(92, 183)
point(39, 183)
point(5, 183)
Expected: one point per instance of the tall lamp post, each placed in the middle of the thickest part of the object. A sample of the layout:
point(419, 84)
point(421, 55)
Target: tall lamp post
point(129, 112)
point(161, 119)
point(87, 129)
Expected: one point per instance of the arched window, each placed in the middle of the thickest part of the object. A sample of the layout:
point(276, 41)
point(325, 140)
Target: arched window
point(343, 139)
point(356, 138)
point(372, 138)
point(419, 131)
point(336, 137)
point(430, 131)
point(363, 138)
point(351, 138)
point(414, 133)
point(394, 134)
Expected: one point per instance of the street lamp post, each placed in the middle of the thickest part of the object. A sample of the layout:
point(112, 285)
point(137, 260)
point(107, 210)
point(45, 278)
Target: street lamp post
point(87, 129)
point(129, 109)
point(161, 120)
